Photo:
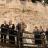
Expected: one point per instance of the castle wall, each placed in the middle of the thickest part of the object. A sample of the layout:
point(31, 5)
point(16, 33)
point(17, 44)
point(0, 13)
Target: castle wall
point(32, 14)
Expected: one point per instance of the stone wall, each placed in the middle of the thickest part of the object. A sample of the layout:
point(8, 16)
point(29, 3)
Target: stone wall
point(32, 14)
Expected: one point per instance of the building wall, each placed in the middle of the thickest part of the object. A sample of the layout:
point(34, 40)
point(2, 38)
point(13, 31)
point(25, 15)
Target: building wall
point(33, 14)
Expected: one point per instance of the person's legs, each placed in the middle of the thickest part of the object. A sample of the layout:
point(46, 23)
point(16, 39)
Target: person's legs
point(13, 40)
point(18, 41)
point(10, 39)
point(1, 37)
point(21, 41)
point(4, 38)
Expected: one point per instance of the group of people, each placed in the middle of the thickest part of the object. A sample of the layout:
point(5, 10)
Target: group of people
point(11, 31)
point(39, 34)
point(5, 28)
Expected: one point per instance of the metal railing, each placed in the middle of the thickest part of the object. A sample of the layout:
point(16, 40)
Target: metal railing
point(21, 43)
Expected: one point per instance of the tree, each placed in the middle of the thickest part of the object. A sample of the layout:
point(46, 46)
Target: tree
point(33, 1)
point(46, 1)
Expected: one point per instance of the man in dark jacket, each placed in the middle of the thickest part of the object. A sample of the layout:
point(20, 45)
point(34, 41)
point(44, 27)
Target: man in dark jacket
point(18, 28)
point(11, 33)
point(21, 28)
point(4, 30)
point(37, 36)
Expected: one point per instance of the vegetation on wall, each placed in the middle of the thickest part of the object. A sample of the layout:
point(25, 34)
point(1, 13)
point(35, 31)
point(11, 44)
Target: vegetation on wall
point(46, 1)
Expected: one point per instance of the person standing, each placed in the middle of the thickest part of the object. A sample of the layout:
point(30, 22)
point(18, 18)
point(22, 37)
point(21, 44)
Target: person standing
point(21, 28)
point(42, 34)
point(11, 33)
point(4, 30)
point(18, 28)
point(37, 36)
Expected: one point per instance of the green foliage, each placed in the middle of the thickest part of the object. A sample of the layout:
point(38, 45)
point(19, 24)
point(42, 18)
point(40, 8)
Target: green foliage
point(33, 1)
point(46, 1)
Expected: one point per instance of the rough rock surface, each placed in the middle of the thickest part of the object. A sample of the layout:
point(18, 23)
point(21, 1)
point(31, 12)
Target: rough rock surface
point(32, 14)
point(28, 12)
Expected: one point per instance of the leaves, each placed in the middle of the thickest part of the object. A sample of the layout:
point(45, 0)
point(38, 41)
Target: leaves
point(46, 1)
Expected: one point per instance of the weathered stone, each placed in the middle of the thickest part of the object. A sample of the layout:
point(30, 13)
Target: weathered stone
point(32, 14)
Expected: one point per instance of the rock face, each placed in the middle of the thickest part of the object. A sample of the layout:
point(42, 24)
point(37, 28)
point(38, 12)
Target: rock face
point(26, 11)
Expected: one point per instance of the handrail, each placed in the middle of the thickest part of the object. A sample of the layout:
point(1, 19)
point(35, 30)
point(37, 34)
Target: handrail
point(27, 32)
point(20, 38)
